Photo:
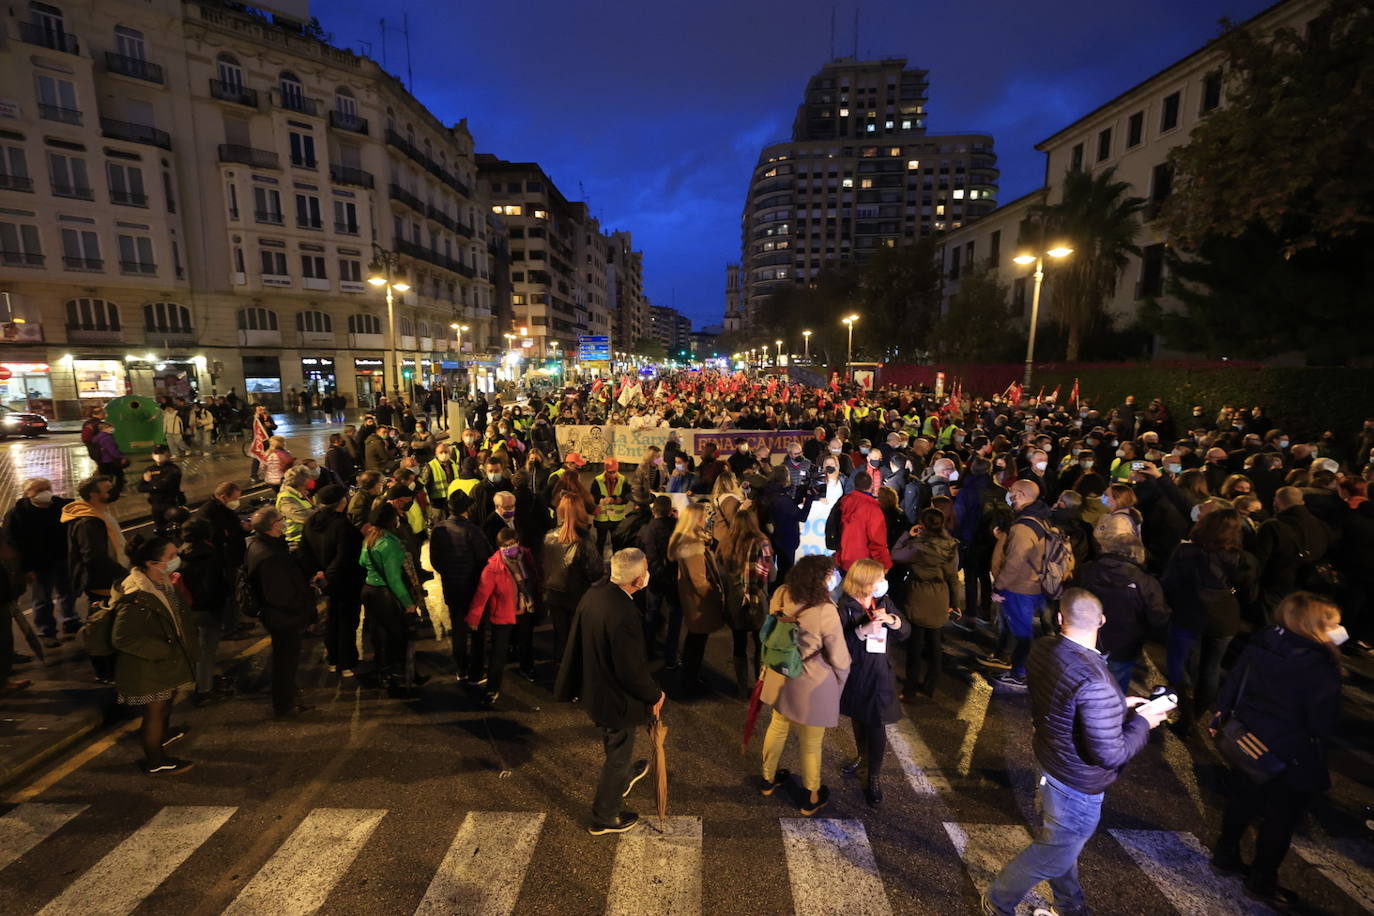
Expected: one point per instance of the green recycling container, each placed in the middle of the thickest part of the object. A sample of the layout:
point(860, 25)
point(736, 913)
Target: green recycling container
point(137, 423)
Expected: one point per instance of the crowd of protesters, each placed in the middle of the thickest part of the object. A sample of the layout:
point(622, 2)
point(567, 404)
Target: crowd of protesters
point(1000, 517)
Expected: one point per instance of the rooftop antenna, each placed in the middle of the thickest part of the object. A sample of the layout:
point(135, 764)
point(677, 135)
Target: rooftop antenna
point(405, 28)
point(383, 31)
point(364, 46)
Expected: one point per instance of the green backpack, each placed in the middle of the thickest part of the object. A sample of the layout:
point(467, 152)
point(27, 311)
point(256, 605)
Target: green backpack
point(781, 649)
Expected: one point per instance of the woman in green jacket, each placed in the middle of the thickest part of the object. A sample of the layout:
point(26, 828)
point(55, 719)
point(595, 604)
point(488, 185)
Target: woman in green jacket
point(387, 595)
point(155, 648)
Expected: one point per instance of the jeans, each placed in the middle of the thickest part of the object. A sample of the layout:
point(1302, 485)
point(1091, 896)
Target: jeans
point(286, 658)
point(1123, 669)
point(1278, 809)
point(1194, 661)
point(203, 439)
point(619, 744)
point(923, 660)
point(177, 444)
point(1019, 611)
point(48, 582)
point(1068, 819)
point(207, 625)
point(811, 738)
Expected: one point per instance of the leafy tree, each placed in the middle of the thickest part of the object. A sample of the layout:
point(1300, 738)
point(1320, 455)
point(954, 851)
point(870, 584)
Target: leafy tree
point(1100, 222)
point(650, 348)
point(817, 308)
point(976, 325)
point(898, 300)
point(1289, 149)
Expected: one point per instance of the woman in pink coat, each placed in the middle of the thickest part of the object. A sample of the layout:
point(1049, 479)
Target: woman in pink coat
point(505, 602)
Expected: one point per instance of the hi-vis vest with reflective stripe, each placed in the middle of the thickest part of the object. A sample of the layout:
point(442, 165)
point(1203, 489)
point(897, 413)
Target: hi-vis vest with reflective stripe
point(463, 484)
point(293, 528)
point(612, 513)
point(439, 479)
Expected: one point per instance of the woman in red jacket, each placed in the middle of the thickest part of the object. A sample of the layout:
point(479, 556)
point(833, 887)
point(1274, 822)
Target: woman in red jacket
point(505, 602)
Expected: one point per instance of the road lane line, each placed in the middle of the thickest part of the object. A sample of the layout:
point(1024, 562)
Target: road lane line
point(1176, 863)
point(28, 825)
point(987, 848)
point(1338, 859)
point(135, 868)
point(302, 872)
point(974, 712)
point(658, 869)
point(831, 868)
point(485, 866)
point(916, 761)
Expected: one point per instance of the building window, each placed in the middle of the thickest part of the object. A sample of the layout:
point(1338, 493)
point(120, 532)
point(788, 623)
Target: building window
point(302, 150)
point(1168, 115)
point(20, 245)
point(954, 254)
point(292, 92)
point(233, 199)
point(364, 324)
point(126, 184)
point(136, 254)
point(92, 315)
point(57, 100)
point(257, 319)
point(230, 73)
point(312, 267)
point(14, 169)
point(346, 217)
point(1151, 272)
point(167, 191)
point(1135, 129)
point(1076, 158)
point(1104, 144)
point(129, 43)
point(267, 205)
point(350, 270)
point(344, 103)
point(69, 176)
point(405, 327)
point(166, 318)
point(994, 247)
point(273, 263)
point(314, 322)
point(308, 212)
point(1211, 91)
point(81, 250)
point(1018, 297)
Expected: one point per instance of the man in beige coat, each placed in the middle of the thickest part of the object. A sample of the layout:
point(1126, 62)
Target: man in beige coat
point(1016, 579)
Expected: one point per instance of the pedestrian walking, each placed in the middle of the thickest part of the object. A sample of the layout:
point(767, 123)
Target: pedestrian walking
point(745, 558)
point(1085, 733)
point(606, 666)
point(162, 483)
point(809, 702)
point(506, 602)
point(1017, 571)
point(1132, 601)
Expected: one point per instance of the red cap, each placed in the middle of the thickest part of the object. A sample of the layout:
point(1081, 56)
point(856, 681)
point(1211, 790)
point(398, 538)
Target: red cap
point(575, 459)
point(611, 464)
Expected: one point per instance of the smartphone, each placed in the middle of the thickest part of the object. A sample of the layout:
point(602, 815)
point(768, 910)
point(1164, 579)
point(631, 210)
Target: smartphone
point(1165, 702)
point(1137, 465)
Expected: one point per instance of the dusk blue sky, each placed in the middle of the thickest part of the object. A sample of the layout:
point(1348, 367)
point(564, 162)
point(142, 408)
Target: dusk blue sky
point(659, 109)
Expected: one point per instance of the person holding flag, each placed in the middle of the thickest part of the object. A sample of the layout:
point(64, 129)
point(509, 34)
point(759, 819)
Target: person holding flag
point(262, 428)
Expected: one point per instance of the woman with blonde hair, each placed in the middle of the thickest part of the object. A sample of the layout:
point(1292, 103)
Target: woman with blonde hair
point(698, 589)
point(745, 556)
point(1286, 690)
point(809, 702)
point(870, 621)
point(1122, 516)
point(570, 562)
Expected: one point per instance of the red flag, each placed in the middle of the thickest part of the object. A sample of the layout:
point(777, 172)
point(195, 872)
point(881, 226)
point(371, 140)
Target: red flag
point(787, 394)
point(772, 386)
point(1015, 392)
point(1073, 395)
point(835, 383)
point(1041, 393)
point(1006, 392)
point(597, 386)
point(1054, 395)
point(258, 448)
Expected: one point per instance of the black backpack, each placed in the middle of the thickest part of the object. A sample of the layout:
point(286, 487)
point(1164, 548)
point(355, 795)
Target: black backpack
point(246, 594)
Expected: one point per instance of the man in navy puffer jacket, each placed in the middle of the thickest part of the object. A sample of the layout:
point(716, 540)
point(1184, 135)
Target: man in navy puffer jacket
point(1085, 731)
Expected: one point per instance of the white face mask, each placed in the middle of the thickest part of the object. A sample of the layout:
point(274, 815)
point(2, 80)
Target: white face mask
point(834, 450)
point(494, 477)
point(832, 581)
point(1174, 468)
point(1338, 636)
point(953, 476)
point(1196, 513)
point(42, 498)
point(174, 564)
point(1009, 501)
point(1041, 465)
point(880, 590)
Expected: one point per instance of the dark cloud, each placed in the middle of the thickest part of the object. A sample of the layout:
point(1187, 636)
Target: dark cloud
point(659, 109)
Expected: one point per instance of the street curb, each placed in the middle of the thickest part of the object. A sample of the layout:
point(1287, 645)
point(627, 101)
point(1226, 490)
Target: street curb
point(72, 731)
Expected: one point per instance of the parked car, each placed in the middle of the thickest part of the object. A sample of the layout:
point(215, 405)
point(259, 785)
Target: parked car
point(21, 423)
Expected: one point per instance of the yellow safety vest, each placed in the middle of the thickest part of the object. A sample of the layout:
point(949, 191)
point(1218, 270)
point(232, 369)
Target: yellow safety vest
point(416, 516)
point(615, 512)
point(438, 478)
point(463, 485)
point(293, 528)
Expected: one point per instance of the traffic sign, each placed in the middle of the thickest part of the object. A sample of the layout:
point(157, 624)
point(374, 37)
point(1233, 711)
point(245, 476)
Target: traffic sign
point(594, 349)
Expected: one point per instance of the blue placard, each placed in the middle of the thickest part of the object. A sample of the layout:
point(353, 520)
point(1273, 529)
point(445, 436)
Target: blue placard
point(594, 348)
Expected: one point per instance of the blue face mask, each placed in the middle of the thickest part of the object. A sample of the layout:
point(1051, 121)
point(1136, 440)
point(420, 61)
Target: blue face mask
point(1105, 501)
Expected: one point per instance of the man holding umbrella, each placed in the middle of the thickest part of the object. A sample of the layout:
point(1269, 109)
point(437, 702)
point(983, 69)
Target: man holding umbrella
point(607, 666)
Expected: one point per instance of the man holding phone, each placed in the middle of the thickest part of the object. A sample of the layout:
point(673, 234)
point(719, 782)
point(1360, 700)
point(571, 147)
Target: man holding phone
point(1085, 732)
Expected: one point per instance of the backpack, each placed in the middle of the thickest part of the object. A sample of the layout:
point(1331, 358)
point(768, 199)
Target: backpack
point(1058, 564)
point(246, 595)
point(89, 429)
point(97, 633)
point(834, 525)
point(779, 645)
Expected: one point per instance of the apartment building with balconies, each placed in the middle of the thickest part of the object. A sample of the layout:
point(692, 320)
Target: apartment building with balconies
point(625, 288)
point(192, 196)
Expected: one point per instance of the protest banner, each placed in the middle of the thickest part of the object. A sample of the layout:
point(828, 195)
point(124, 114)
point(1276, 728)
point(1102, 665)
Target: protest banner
point(774, 441)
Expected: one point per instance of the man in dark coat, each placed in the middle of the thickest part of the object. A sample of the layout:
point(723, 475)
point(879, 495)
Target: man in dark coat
point(457, 551)
point(34, 529)
point(329, 550)
point(1287, 547)
point(1085, 733)
point(229, 538)
point(283, 593)
point(607, 665)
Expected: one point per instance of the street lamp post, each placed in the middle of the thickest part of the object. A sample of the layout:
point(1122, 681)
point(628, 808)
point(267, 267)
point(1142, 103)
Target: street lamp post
point(460, 328)
point(849, 353)
point(1038, 259)
point(778, 343)
point(806, 337)
point(381, 270)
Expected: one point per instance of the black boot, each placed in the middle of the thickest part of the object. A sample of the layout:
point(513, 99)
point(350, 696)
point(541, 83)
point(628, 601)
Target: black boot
point(742, 680)
point(874, 793)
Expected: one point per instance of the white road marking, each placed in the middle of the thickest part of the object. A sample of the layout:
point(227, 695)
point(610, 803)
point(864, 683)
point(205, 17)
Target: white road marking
point(916, 759)
point(831, 868)
point(986, 848)
point(1176, 753)
point(30, 824)
point(658, 869)
point(485, 866)
point(304, 869)
point(131, 871)
point(1177, 864)
point(1339, 859)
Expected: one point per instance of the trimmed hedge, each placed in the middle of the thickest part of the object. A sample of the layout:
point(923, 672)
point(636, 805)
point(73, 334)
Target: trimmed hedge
point(1304, 401)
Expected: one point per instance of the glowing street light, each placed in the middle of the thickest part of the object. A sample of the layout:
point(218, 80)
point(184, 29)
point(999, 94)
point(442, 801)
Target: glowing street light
point(383, 265)
point(1038, 259)
point(806, 336)
point(778, 343)
point(849, 354)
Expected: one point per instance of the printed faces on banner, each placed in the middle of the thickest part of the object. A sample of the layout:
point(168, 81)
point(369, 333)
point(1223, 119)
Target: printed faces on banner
point(776, 441)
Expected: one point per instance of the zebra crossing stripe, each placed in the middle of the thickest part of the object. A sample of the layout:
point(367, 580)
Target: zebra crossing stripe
point(974, 713)
point(1341, 860)
point(131, 871)
point(986, 848)
point(1176, 863)
point(485, 866)
point(657, 869)
point(30, 824)
point(831, 868)
point(305, 868)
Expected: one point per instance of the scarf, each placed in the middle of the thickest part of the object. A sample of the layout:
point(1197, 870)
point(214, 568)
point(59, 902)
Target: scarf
point(524, 600)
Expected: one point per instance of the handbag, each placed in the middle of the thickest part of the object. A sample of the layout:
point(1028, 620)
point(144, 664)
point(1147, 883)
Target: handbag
point(1243, 749)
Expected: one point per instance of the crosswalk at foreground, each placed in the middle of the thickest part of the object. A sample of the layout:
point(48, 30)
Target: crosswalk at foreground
point(830, 866)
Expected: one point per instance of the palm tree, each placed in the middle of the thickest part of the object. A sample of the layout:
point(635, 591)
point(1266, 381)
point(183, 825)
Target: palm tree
point(1098, 219)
